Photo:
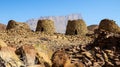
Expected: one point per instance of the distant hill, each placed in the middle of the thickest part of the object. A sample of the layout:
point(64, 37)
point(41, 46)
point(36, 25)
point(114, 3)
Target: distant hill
point(2, 26)
point(59, 21)
point(92, 27)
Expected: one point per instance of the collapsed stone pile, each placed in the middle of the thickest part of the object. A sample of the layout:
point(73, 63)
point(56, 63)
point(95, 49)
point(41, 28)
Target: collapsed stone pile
point(17, 26)
point(103, 52)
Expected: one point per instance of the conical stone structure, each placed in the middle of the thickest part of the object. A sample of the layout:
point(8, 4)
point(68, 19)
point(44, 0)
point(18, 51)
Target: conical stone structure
point(17, 26)
point(45, 26)
point(76, 27)
point(109, 25)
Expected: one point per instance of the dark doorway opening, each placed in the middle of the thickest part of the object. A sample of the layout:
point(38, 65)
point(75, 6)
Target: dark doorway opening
point(76, 32)
point(37, 60)
point(42, 29)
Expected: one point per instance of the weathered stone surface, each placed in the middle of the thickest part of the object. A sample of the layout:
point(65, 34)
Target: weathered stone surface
point(2, 44)
point(87, 54)
point(43, 55)
point(36, 66)
point(59, 58)
point(7, 54)
point(2, 62)
point(77, 64)
point(95, 64)
point(32, 56)
point(27, 54)
point(117, 63)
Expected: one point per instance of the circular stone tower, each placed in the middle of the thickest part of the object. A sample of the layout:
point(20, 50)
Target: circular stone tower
point(46, 26)
point(109, 25)
point(76, 27)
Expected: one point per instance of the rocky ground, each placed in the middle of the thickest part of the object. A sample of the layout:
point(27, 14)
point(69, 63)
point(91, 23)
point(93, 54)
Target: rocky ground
point(100, 50)
point(44, 44)
point(21, 47)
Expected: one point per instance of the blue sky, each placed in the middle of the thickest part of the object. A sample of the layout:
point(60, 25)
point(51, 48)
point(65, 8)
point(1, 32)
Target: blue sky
point(92, 11)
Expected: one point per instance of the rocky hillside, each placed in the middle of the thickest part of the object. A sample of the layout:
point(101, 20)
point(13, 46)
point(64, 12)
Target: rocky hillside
point(92, 27)
point(2, 26)
point(21, 47)
point(59, 21)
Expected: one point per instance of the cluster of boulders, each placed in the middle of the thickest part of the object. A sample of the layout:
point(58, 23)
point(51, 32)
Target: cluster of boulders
point(103, 52)
point(8, 57)
point(23, 56)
